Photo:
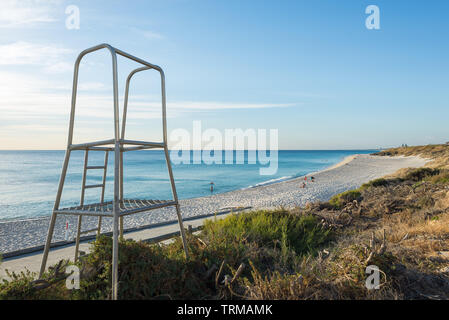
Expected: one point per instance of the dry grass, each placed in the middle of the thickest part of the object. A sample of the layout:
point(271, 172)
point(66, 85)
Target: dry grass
point(439, 153)
point(435, 228)
point(412, 209)
point(429, 236)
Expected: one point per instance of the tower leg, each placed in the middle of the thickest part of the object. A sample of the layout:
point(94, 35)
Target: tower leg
point(121, 175)
point(121, 227)
point(182, 230)
point(106, 156)
point(116, 217)
point(51, 227)
point(78, 235)
point(121, 191)
point(178, 210)
point(99, 226)
point(115, 233)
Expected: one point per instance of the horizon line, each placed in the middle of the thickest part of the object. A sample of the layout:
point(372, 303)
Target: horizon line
point(350, 149)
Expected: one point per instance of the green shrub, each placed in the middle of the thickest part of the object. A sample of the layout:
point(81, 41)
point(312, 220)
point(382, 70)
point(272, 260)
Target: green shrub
point(146, 271)
point(20, 286)
point(272, 240)
point(441, 178)
point(338, 201)
point(301, 233)
point(420, 174)
point(375, 183)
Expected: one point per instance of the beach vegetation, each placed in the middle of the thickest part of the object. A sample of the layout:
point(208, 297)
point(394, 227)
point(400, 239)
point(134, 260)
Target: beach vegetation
point(375, 183)
point(420, 174)
point(338, 201)
point(441, 178)
point(437, 153)
point(301, 233)
point(398, 223)
point(271, 242)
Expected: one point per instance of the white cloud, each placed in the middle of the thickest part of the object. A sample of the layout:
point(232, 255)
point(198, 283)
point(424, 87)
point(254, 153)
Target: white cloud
point(51, 58)
point(92, 86)
point(148, 34)
point(58, 67)
point(26, 53)
point(36, 108)
point(214, 105)
point(39, 128)
point(16, 13)
point(151, 35)
point(24, 96)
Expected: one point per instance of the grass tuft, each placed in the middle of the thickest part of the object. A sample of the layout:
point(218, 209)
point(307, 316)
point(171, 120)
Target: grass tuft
point(375, 183)
point(421, 173)
point(338, 201)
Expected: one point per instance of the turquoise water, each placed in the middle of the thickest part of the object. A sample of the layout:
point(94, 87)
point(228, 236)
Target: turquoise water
point(29, 179)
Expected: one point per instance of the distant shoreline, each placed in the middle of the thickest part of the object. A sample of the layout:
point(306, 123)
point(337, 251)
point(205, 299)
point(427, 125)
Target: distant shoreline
point(364, 149)
point(191, 182)
point(261, 184)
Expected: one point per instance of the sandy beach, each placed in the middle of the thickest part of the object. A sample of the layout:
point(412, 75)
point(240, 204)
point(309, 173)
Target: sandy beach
point(352, 172)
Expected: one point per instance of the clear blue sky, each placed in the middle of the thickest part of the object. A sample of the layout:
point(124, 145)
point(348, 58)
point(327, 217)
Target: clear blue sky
point(308, 68)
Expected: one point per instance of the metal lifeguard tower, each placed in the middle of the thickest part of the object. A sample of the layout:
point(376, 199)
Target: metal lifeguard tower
point(119, 206)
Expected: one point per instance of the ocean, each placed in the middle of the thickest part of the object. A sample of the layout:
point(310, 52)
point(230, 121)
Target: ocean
point(29, 179)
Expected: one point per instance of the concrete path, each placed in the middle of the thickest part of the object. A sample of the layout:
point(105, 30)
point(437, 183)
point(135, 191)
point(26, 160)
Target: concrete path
point(32, 261)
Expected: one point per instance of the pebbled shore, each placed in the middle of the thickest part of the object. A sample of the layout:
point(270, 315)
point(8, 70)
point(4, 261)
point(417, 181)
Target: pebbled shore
point(348, 174)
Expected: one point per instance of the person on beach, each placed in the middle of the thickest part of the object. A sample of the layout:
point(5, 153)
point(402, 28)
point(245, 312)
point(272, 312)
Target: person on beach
point(211, 187)
point(303, 185)
point(313, 179)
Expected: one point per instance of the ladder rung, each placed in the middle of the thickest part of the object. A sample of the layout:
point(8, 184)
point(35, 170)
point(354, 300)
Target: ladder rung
point(95, 167)
point(87, 231)
point(94, 186)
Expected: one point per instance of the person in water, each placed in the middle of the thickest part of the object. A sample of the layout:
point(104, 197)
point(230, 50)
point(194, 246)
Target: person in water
point(212, 186)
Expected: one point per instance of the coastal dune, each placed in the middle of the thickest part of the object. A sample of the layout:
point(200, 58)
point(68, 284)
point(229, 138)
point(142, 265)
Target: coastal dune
point(351, 173)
